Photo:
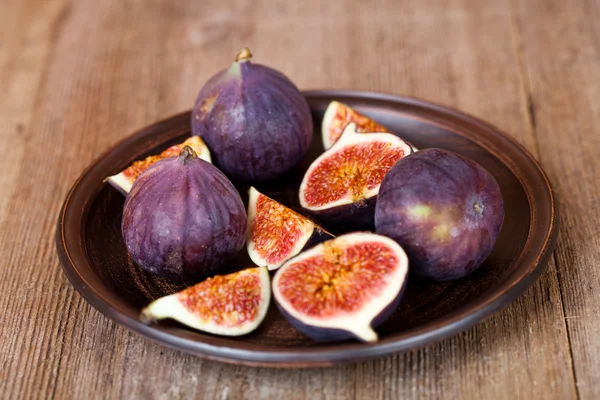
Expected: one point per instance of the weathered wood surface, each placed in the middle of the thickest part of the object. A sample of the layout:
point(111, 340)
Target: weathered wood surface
point(76, 76)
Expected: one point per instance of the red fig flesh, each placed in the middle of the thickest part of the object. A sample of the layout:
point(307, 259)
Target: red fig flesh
point(276, 233)
point(229, 305)
point(343, 287)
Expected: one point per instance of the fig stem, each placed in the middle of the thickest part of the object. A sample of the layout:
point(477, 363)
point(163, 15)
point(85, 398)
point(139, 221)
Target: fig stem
point(187, 154)
point(478, 208)
point(243, 55)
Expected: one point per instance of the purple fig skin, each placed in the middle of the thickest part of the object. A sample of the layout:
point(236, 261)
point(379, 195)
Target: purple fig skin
point(183, 219)
point(320, 335)
point(348, 217)
point(445, 210)
point(327, 335)
point(255, 121)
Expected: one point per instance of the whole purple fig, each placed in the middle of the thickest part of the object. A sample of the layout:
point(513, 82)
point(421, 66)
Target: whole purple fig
point(445, 210)
point(255, 121)
point(183, 219)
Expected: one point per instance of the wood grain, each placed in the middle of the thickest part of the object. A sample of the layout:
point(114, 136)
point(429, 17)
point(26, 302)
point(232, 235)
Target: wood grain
point(563, 70)
point(78, 76)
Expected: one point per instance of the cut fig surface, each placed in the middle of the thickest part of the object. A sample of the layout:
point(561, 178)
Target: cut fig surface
point(338, 116)
point(276, 233)
point(124, 179)
point(339, 183)
point(342, 288)
point(229, 305)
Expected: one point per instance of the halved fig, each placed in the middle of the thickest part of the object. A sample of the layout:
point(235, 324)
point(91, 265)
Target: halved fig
point(124, 179)
point(228, 305)
point(276, 233)
point(341, 185)
point(342, 288)
point(338, 116)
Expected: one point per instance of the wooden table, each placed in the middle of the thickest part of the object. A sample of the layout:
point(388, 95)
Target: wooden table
point(77, 76)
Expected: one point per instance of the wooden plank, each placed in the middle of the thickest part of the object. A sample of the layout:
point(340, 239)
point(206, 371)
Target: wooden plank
point(27, 32)
point(562, 47)
point(116, 66)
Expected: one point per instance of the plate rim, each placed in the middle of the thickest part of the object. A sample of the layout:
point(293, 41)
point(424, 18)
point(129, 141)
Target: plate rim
point(332, 354)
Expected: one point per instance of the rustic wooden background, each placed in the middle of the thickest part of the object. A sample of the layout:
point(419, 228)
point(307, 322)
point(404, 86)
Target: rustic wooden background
point(77, 76)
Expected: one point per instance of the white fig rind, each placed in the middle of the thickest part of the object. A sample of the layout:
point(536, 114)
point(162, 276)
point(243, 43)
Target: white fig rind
point(204, 154)
point(326, 123)
point(120, 182)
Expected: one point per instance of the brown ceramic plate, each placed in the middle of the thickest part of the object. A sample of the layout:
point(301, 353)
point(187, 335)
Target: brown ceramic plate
point(95, 261)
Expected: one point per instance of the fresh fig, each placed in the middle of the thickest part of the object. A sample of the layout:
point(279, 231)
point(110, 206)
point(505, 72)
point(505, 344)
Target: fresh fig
point(444, 209)
point(183, 219)
point(228, 305)
point(276, 233)
point(341, 185)
point(124, 179)
point(338, 116)
point(342, 288)
point(255, 121)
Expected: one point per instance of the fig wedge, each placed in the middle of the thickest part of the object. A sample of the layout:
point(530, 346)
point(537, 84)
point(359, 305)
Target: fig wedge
point(338, 116)
point(227, 305)
point(123, 181)
point(276, 233)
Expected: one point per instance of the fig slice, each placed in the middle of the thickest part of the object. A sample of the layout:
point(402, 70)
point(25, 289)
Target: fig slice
point(341, 185)
point(123, 181)
point(228, 305)
point(276, 233)
point(338, 116)
point(342, 288)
